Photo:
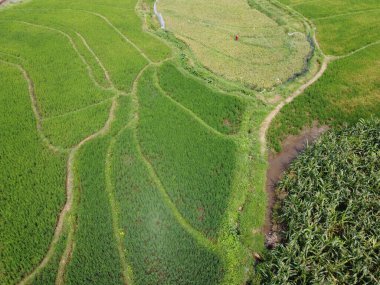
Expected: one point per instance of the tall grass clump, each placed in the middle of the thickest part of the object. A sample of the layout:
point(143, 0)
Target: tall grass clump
point(330, 212)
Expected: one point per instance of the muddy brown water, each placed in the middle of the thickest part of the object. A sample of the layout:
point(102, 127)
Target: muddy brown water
point(279, 162)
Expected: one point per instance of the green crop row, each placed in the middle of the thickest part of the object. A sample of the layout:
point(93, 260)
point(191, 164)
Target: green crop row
point(330, 212)
point(32, 180)
point(158, 248)
point(194, 164)
point(95, 258)
point(220, 111)
point(76, 126)
point(61, 83)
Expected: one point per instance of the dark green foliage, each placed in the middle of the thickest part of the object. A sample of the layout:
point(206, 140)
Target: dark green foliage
point(331, 212)
point(158, 249)
point(95, 258)
point(220, 111)
point(195, 165)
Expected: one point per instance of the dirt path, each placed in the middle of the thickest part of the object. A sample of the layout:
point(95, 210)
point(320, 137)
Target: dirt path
point(330, 58)
point(268, 120)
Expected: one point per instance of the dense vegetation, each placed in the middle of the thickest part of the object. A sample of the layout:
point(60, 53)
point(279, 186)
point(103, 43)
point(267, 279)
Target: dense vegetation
point(31, 181)
point(85, 65)
point(330, 208)
point(158, 248)
point(163, 167)
point(195, 166)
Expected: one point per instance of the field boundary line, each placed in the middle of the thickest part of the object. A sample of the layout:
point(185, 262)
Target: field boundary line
point(152, 173)
point(115, 221)
point(106, 72)
point(167, 200)
point(70, 186)
point(120, 33)
point(35, 108)
point(69, 198)
point(46, 119)
point(345, 14)
point(337, 57)
point(268, 120)
point(73, 45)
point(188, 111)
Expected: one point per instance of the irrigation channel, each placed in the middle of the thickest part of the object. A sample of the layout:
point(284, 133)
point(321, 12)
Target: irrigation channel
point(158, 15)
point(292, 146)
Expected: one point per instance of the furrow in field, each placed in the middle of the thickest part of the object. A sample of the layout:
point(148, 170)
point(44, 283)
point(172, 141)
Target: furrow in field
point(186, 110)
point(35, 109)
point(77, 110)
point(70, 189)
point(333, 58)
point(346, 14)
point(89, 69)
point(121, 34)
point(115, 219)
point(106, 73)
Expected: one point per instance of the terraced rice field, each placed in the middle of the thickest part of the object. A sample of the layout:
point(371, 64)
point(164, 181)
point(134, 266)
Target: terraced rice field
point(99, 102)
point(132, 155)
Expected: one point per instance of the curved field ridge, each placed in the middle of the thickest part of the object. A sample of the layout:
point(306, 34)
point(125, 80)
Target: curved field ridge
point(25, 154)
point(264, 55)
point(348, 90)
point(163, 169)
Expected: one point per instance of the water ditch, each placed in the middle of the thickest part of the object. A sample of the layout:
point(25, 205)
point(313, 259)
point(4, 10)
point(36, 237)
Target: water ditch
point(158, 15)
point(278, 164)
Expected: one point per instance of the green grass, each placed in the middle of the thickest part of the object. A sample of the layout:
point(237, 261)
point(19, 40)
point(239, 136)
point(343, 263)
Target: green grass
point(70, 129)
point(330, 208)
point(342, 25)
point(31, 182)
point(349, 90)
point(52, 76)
